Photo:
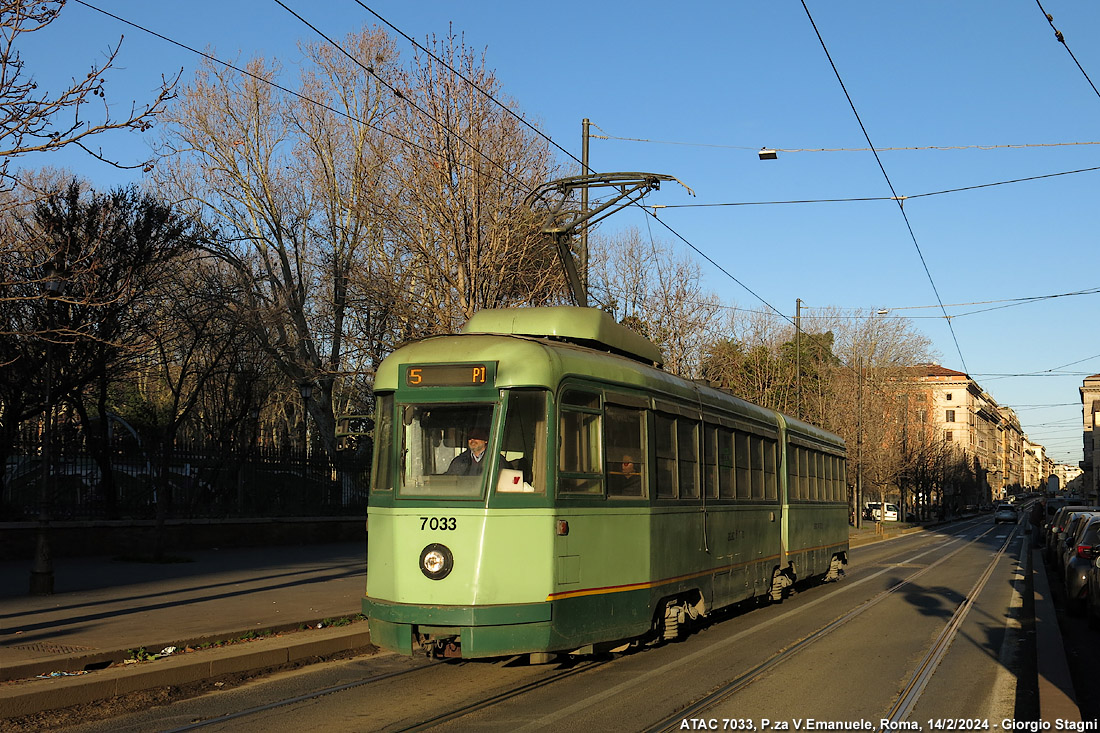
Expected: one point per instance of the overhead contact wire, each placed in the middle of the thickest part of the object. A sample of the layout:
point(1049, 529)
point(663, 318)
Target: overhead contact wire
point(889, 183)
point(459, 74)
point(402, 96)
point(1062, 39)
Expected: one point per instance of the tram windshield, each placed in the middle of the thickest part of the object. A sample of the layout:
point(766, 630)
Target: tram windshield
point(444, 449)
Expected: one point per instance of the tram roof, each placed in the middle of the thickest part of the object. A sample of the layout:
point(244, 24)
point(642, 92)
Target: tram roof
point(584, 326)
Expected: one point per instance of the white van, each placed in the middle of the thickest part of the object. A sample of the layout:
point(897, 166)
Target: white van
point(876, 513)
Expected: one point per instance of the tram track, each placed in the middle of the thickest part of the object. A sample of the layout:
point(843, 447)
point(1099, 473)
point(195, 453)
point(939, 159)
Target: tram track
point(334, 689)
point(913, 690)
point(728, 689)
point(503, 696)
point(430, 722)
point(914, 687)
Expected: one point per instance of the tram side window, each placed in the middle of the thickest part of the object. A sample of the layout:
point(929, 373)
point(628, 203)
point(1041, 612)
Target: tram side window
point(771, 485)
point(522, 446)
point(710, 460)
point(383, 444)
point(792, 473)
point(664, 429)
point(804, 474)
point(842, 479)
point(840, 492)
point(627, 462)
point(756, 465)
point(830, 478)
point(822, 486)
point(726, 479)
point(812, 477)
point(579, 458)
point(741, 458)
point(794, 491)
point(687, 434)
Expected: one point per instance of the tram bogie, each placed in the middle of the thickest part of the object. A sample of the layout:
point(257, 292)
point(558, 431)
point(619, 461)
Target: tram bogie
point(541, 486)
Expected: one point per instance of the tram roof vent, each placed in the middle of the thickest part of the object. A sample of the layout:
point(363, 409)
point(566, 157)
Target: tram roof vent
point(589, 327)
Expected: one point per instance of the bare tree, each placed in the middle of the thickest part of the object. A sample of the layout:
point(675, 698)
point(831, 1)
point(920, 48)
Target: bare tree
point(33, 119)
point(466, 166)
point(644, 285)
point(294, 184)
point(190, 348)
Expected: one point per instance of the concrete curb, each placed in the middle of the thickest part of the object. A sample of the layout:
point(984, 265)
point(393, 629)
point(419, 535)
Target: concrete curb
point(34, 696)
point(17, 671)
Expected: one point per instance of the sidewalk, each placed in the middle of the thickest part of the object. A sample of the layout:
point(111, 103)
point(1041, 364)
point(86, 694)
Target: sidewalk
point(102, 609)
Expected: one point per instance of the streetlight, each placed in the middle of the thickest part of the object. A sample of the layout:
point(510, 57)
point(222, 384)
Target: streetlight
point(41, 580)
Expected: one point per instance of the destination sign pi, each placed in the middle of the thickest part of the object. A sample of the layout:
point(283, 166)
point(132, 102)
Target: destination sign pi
point(447, 375)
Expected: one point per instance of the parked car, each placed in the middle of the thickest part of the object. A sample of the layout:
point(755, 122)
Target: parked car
point(1074, 527)
point(1082, 552)
point(1092, 594)
point(1005, 513)
point(1056, 529)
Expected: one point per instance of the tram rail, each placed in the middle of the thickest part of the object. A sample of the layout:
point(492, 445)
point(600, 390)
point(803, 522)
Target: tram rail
point(901, 707)
point(915, 686)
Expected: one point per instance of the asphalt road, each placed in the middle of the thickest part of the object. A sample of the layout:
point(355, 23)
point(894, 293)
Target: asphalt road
point(923, 628)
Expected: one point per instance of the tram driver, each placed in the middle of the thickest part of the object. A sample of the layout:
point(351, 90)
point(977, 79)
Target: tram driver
point(469, 461)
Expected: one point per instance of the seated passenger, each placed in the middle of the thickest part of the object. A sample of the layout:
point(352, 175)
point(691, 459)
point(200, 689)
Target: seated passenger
point(469, 461)
point(627, 481)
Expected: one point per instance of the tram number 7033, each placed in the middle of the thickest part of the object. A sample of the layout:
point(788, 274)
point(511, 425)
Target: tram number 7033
point(445, 523)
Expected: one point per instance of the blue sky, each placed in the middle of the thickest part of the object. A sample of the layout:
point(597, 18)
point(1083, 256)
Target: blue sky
point(732, 77)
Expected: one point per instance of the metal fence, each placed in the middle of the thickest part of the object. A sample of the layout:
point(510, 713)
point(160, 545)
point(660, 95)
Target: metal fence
point(192, 482)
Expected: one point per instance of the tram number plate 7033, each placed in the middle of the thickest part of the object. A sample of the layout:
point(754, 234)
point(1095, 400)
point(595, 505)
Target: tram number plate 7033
point(445, 523)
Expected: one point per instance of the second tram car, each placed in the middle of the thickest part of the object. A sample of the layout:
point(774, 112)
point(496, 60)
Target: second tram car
point(541, 486)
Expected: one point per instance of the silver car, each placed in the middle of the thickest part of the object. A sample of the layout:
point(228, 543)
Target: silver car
point(1005, 513)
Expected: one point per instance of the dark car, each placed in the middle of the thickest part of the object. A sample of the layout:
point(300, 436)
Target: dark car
point(1092, 595)
point(1055, 532)
point(1068, 546)
point(1081, 553)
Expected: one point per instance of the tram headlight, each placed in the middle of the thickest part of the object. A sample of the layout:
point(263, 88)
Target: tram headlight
point(436, 561)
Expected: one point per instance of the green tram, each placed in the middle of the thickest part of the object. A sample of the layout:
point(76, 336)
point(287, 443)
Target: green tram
point(611, 502)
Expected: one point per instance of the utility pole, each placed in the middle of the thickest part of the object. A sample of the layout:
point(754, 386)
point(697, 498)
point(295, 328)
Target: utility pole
point(859, 448)
point(582, 250)
point(798, 358)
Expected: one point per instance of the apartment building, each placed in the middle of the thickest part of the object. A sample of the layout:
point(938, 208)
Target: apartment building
point(964, 414)
point(1090, 409)
point(1068, 478)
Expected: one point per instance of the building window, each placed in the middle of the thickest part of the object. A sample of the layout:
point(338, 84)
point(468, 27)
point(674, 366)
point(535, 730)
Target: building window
point(948, 435)
point(922, 415)
point(948, 397)
point(950, 416)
